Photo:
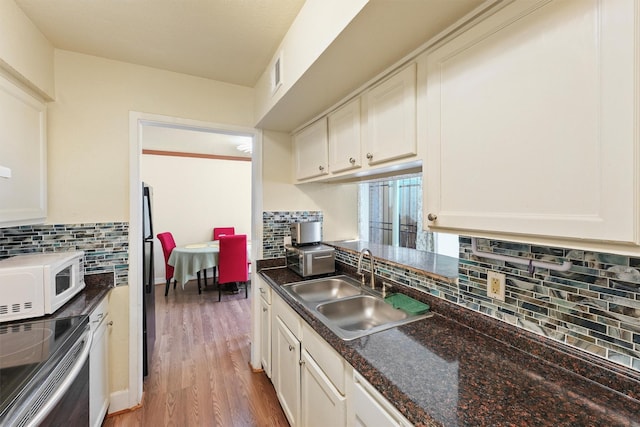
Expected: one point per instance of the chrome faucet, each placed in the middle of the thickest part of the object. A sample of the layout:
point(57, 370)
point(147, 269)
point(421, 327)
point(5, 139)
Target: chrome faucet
point(373, 268)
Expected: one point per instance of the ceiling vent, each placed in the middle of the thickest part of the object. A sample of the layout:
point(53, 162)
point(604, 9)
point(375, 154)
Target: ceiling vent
point(276, 74)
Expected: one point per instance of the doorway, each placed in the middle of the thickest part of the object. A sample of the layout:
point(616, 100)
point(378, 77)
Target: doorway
point(138, 124)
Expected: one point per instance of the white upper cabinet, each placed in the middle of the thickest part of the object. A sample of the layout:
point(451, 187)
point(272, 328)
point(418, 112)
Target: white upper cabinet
point(371, 134)
point(532, 123)
point(23, 157)
point(390, 111)
point(311, 152)
point(344, 137)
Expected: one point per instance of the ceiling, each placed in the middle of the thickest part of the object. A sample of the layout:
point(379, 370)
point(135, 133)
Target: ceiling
point(226, 40)
point(234, 41)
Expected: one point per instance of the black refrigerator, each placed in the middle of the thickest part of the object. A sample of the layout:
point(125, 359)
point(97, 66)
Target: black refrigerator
point(148, 288)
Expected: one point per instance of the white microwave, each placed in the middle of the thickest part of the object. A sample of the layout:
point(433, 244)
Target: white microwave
point(37, 284)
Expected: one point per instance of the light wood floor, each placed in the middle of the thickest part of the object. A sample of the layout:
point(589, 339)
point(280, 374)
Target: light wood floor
point(200, 373)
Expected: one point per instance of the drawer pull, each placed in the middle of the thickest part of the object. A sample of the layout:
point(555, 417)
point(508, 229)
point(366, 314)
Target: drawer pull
point(432, 217)
point(290, 347)
point(369, 156)
point(352, 160)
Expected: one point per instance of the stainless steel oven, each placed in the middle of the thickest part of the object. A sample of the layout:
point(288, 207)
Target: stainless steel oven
point(44, 372)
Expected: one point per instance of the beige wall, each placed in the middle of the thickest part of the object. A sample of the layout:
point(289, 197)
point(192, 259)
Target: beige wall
point(193, 195)
point(89, 128)
point(338, 202)
point(88, 146)
point(25, 53)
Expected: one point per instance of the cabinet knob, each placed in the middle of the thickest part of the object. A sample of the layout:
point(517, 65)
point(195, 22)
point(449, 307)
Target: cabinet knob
point(290, 347)
point(301, 363)
point(110, 323)
point(352, 160)
point(432, 217)
point(320, 168)
point(264, 309)
point(369, 156)
point(262, 291)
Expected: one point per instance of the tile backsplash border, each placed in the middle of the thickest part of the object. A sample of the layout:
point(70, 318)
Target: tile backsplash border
point(275, 227)
point(594, 307)
point(106, 245)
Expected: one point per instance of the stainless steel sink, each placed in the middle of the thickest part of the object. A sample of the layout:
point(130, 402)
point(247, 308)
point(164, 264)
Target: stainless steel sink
point(326, 289)
point(362, 313)
point(349, 310)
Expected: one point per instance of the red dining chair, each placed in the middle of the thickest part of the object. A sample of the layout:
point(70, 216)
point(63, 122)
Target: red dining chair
point(167, 242)
point(221, 231)
point(233, 265)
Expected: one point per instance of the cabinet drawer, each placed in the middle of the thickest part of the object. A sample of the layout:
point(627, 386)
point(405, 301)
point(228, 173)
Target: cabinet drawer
point(372, 409)
point(99, 313)
point(265, 291)
point(289, 317)
point(331, 363)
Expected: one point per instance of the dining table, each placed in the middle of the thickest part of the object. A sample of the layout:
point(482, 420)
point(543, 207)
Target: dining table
point(188, 260)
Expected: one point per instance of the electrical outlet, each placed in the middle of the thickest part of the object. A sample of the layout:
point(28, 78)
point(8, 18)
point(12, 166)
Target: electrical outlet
point(287, 240)
point(495, 285)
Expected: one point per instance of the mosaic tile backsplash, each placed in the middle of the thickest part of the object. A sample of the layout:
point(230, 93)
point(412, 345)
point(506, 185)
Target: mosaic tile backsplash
point(275, 227)
point(595, 306)
point(105, 245)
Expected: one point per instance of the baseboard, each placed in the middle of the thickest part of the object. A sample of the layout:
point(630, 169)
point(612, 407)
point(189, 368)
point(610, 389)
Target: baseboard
point(255, 370)
point(119, 401)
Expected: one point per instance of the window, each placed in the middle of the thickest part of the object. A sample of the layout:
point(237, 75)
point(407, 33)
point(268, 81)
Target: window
point(390, 213)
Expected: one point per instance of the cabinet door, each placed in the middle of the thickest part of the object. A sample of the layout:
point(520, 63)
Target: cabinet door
point(287, 371)
point(265, 336)
point(532, 123)
point(23, 157)
point(344, 137)
point(371, 409)
point(391, 118)
point(311, 150)
point(99, 364)
point(322, 404)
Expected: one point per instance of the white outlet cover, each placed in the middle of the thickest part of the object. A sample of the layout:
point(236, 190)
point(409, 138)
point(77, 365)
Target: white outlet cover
point(287, 240)
point(5, 172)
point(501, 278)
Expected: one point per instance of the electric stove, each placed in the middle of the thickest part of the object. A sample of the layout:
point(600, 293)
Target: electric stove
point(29, 353)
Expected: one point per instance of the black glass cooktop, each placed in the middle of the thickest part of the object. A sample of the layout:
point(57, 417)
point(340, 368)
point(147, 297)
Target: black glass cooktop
point(28, 348)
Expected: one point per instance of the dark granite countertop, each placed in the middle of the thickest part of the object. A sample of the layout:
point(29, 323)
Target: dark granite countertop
point(438, 266)
point(460, 368)
point(97, 286)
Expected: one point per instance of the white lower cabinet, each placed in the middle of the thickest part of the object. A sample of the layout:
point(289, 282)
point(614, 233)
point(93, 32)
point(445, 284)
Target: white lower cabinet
point(265, 325)
point(322, 404)
point(286, 372)
point(99, 364)
point(265, 342)
point(314, 384)
point(371, 409)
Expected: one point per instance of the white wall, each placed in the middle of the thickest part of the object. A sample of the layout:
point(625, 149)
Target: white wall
point(192, 195)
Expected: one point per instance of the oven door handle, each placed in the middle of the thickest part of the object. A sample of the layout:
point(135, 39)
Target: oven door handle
point(66, 384)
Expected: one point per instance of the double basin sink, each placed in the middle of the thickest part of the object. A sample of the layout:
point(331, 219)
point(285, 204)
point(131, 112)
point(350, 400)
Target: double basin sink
point(348, 309)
